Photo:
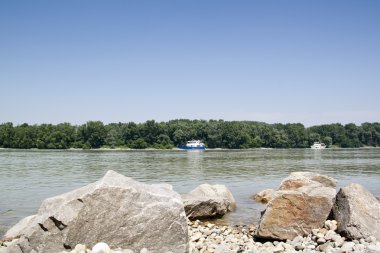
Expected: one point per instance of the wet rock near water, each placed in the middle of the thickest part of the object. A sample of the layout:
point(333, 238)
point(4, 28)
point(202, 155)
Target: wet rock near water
point(302, 203)
point(264, 196)
point(116, 209)
point(208, 201)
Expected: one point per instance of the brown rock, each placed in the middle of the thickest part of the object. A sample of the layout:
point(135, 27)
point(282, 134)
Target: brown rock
point(306, 181)
point(264, 196)
point(302, 203)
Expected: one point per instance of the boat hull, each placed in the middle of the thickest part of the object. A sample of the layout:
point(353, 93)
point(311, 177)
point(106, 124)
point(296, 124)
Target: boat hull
point(191, 148)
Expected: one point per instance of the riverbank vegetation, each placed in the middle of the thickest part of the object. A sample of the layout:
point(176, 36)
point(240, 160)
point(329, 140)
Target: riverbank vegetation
point(165, 135)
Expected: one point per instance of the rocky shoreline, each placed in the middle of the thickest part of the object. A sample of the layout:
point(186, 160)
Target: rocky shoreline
point(206, 237)
point(305, 214)
point(210, 238)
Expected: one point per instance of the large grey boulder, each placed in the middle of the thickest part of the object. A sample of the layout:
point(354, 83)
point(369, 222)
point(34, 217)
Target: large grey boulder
point(116, 210)
point(208, 201)
point(302, 202)
point(357, 212)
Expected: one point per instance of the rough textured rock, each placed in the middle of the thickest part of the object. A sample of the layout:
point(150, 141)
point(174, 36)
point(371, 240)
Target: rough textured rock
point(116, 210)
point(306, 182)
point(208, 201)
point(357, 212)
point(302, 203)
point(264, 196)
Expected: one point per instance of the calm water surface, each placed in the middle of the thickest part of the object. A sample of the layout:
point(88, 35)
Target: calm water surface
point(28, 177)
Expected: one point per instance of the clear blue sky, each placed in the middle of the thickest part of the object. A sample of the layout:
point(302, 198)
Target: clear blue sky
point(312, 62)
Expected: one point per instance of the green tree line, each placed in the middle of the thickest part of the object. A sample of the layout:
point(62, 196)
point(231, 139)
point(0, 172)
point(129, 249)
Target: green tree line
point(165, 135)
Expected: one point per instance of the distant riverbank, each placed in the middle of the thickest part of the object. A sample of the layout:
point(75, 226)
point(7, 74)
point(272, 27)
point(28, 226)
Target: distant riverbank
point(171, 134)
point(122, 148)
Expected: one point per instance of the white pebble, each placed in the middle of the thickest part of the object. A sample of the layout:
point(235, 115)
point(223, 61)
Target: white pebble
point(101, 247)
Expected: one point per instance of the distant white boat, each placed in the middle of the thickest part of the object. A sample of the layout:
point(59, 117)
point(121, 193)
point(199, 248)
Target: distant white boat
point(318, 145)
point(194, 145)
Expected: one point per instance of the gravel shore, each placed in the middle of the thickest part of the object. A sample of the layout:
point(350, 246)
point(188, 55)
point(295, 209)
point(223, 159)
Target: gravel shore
point(205, 237)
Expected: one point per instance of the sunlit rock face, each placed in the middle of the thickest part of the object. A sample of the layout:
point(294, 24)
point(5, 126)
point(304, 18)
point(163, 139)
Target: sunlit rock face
point(302, 202)
point(116, 210)
point(357, 212)
point(208, 201)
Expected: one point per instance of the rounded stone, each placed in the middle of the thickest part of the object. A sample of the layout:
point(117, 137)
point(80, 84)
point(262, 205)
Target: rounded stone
point(321, 240)
point(80, 248)
point(101, 247)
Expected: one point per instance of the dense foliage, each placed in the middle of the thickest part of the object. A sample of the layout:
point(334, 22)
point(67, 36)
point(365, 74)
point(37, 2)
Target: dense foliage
point(215, 133)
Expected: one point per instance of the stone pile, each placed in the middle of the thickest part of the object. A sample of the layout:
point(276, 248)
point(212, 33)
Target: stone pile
point(210, 238)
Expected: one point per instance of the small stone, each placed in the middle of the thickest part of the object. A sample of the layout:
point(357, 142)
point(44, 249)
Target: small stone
point(321, 240)
point(210, 249)
point(80, 248)
point(210, 225)
point(347, 246)
point(196, 237)
point(329, 235)
point(323, 231)
point(323, 247)
point(359, 248)
point(296, 240)
point(315, 231)
point(198, 245)
point(330, 249)
point(331, 225)
point(221, 248)
point(339, 242)
point(144, 250)
point(320, 235)
point(371, 239)
point(101, 247)
point(277, 249)
point(373, 248)
point(268, 244)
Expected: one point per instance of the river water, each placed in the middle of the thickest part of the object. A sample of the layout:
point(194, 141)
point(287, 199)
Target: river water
point(29, 176)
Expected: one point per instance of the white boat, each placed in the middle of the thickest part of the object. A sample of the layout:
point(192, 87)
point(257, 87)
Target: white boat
point(318, 145)
point(193, 145)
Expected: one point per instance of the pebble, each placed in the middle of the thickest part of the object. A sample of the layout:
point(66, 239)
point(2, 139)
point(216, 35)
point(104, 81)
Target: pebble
point(100, 247)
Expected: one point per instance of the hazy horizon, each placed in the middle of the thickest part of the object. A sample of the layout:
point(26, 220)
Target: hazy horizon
point(141, 122)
